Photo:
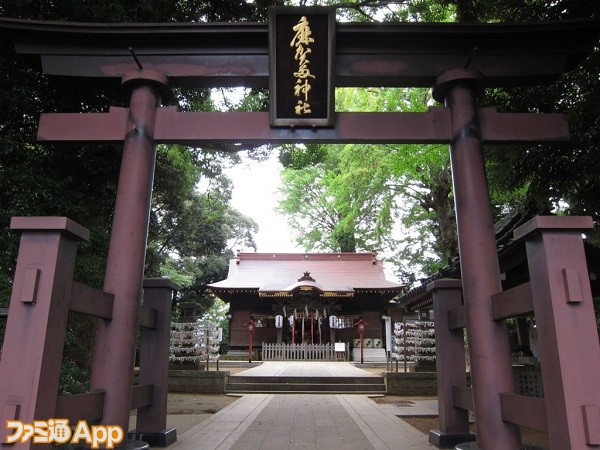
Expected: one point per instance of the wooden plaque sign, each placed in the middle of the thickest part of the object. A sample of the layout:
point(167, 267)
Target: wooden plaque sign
point(301, 51)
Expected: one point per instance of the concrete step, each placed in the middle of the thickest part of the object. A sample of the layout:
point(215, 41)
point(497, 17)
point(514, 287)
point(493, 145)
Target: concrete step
point(304, 388)
point(354, 385)
point(306, 380)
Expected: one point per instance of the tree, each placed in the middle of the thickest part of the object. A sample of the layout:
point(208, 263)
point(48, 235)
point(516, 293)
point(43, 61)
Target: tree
point(406, 185)
point(339, 203)
point(563, 176)
point(195, 244)
point(79, 181)
point(391, 10)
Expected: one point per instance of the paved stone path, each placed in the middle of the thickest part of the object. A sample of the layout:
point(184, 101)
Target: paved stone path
point(315, 421)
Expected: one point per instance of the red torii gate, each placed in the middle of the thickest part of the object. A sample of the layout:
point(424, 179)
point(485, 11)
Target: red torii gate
point(207, 55)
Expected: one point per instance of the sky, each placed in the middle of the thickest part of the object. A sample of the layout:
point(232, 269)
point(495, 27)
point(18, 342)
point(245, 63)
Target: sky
point(255, 187)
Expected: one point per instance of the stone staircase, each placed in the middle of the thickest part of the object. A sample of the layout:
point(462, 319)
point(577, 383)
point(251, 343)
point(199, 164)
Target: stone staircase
point(299, 384)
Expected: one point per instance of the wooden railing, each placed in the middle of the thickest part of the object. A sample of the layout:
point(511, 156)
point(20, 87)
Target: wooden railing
point(559, 297)
point(304, 352)
point(43, 294)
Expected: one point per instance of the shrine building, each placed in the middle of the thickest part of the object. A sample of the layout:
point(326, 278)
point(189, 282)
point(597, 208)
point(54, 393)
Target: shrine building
point(318, 296)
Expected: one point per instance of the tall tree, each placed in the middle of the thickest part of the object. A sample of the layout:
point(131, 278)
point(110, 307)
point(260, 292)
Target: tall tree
point(560, 176)
point(79, 181)
point(339, 204)
point(406, 185)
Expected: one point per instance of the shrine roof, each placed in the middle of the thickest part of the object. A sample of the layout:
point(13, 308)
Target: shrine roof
point(288, 272)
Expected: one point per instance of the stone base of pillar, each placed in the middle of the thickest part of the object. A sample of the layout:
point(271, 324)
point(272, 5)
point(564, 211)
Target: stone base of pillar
point(444, 440)
point(161, 439)
point(468, 446)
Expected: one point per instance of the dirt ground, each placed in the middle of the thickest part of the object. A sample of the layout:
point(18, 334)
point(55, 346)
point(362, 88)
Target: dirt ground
point(532, 439)
point(197, 403)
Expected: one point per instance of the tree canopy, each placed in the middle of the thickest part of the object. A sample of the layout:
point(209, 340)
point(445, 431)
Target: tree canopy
point(79, 181)
point(351, 197)
point(563, 178)
point(343, 197)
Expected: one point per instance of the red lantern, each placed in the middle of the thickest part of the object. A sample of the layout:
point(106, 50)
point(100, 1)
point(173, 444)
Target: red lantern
point(362, 326)
point(250, 325)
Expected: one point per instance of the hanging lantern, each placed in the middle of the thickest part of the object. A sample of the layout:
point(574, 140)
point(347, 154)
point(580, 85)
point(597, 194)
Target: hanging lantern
point(332, 322)
point(278, 321)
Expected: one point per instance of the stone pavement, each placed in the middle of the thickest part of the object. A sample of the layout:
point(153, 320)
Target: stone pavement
point(290, 421)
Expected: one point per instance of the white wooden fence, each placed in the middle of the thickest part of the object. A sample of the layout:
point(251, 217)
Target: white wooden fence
point(284, 352)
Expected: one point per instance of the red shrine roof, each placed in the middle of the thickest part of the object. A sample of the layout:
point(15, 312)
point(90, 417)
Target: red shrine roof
point(281, 274)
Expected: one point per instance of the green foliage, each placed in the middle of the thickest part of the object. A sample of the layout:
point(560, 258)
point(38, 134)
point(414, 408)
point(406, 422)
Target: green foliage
point(351, 197)
point(77, 358)
point(139, 11)
point(80, 181)
point(549, 175)
point(391, 10)
point(340, 204)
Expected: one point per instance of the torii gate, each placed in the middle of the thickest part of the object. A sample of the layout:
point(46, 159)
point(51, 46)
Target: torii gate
point(457, 59)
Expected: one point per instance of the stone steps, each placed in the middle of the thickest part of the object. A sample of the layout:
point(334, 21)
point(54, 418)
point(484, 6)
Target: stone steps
point(299, 384)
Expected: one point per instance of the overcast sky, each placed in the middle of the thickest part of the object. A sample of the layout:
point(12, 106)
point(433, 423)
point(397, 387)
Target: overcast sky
point(255, 187)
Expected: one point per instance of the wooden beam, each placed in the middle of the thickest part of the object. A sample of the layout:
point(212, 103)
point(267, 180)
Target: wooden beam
point(196, 128)
point(190, 128)
point(236, 54)
point(84, 127)
point(513, 302)
point(515, 128)
point(457, 318)
point(525, 411)
point(141, 396)
point(91, 301)
point(462, 397)
point(147, 317)
point(88, 407)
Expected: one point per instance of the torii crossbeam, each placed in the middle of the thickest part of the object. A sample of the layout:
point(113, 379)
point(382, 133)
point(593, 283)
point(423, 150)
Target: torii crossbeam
point(196, 128)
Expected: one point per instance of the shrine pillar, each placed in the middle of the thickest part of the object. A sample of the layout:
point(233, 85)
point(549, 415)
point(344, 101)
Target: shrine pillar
point(489, 349)
point(113, 364)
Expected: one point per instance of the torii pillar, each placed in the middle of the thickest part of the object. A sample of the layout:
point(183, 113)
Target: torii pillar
point(489, 349)
point(113, 363)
